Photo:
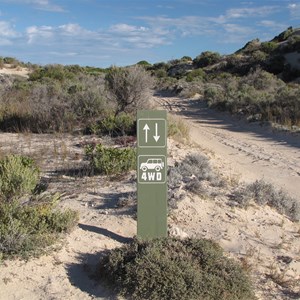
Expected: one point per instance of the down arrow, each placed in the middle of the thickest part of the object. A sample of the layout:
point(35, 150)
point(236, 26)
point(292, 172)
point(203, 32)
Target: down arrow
point(156, 136)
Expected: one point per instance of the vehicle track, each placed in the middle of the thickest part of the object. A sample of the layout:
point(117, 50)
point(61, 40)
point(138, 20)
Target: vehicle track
point(253, 150)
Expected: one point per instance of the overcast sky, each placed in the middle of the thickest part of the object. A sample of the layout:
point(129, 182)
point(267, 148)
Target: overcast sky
point(122, 32)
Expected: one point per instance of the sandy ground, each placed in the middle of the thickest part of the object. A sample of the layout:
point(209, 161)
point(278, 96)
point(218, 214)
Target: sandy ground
point(266, 243)
point(8, 70)
point(251, 150)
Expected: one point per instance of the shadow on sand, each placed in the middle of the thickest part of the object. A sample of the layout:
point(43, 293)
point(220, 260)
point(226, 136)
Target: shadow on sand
point(83, 274)
point(105, 232)
point(199, 112)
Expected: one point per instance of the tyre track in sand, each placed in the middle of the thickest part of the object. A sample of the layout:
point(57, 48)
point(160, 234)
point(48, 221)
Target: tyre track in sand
point(249, 149)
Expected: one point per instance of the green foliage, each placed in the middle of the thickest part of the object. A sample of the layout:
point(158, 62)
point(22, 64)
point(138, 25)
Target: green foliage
point(163, 269)
point(259, 56)
point(206, 58)
point(94, 71)
point(122, 124)
point(27, 229)
point(195, 75)
point(18, 175)
point(160, 70)
point(57, 72)
point(250, 47)
point(269, 47)
point(111, 161)
point(260, 96)
point(12, 61)
point(144, 63)
point(186, 59)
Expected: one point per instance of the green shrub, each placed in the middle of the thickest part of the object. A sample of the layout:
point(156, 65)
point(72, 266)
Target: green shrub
point(122, 124)
point(206, 58)
point(110, 161)
point(186, 59)
point(18, 175)
point(195, 75)
point(269, 47)
point(57, 72)
point(163, 269)
point(27, 229)
point(144, 63)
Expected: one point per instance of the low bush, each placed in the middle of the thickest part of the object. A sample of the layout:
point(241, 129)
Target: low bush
point(119, 125)
point(189, 175)
point(259, 96)
point(178, 129)
point(206, 58)
point(18, 176)
point(163, 269)
point(109, 161)
point(198, 166)
point(28, 222)
point(28, 229)
point(50, 105)
point(129, 88)
point(197, 74)
point(264, 193)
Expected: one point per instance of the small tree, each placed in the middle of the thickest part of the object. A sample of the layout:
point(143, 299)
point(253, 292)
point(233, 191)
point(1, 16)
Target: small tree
point(129, 88)
point(206, 58)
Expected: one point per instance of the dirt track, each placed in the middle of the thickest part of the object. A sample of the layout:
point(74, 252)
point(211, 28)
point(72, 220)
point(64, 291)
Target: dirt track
point(248, 149)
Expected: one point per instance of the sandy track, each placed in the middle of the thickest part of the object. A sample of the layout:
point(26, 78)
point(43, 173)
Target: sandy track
point(249, 149)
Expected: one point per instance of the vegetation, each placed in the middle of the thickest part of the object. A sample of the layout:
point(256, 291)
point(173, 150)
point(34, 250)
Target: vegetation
point(259, 96)
point(116, 125)
point(174, 269)
point(109, 161)
point(59, 98)
point(129, 88)
point(189, 175)
point(28, 222)
point(18, 176)
point(206, 58)
point(54, 99)
point(178, 129)
point(11, 62)
point(264, 193)
point(27, 230)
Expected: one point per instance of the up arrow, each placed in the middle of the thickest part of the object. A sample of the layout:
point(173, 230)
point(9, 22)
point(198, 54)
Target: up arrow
point(156, 136)
point(146, 128)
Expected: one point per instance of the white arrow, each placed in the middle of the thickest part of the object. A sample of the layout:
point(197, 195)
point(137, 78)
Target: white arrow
point(156, 136)
point(146, 128)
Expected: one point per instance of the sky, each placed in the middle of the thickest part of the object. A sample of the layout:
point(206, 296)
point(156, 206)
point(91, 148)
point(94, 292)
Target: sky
point(103, 33)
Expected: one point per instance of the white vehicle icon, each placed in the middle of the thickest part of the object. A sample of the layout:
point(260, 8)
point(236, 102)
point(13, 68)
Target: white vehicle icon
point(152, 164)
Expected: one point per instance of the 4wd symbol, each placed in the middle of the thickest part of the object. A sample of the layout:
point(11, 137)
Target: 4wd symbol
point(152, 169)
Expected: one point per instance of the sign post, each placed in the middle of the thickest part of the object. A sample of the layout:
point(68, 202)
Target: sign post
point(152, 173)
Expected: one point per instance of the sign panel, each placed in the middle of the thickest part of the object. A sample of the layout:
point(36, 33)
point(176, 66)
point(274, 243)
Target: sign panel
point(152, 133)
point(152, 173)
point(151, 169)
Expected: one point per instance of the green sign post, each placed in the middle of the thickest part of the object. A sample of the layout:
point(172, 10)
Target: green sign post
point(152, 173)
